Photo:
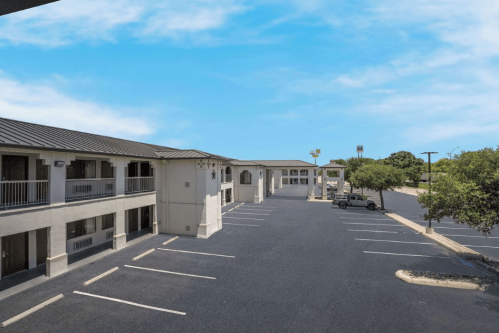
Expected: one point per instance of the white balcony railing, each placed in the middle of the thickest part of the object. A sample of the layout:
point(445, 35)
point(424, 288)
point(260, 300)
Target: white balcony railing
point(23, 192)
point(139, 184)
point(77, 189)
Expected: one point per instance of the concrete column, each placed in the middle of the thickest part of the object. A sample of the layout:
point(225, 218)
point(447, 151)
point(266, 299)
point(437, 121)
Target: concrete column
point(120, 166)
point(280, 179)
point(32, 249)
point(119, 237)
point(224, 201)
point(219, 193)
point(57, 177)
point(232, 194)
point(57, 260)
point(98, 168)
point(311, 194)
point(139, 214)
point(271, 181)
point(0, 240)
point(324, 184)
point(341, 182)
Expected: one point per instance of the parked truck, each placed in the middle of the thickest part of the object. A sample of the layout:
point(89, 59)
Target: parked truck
point(353, 200)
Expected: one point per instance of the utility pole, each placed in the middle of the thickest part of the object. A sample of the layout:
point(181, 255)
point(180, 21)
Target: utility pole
point(450, 154)
point(429, 230)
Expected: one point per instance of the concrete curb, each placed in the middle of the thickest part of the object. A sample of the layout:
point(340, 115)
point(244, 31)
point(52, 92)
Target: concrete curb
point(461, 283)
point(457, 248)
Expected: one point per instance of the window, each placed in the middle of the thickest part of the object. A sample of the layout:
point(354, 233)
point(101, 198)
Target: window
point(293, 172)
point(80, 228)
point(245, 177)
point(80, 169)
point(285, 181)
point(106, 170)
point(304, 181)
point(304, 172)
point(284, 172)
point(107, 221)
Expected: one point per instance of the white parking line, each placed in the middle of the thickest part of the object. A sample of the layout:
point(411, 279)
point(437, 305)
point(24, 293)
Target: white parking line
point(365, 214)
point(258, 206)
point(249, 213)
point(451, 228)
point(387, 225)
point(392, 241)
point(360, 218)
point(388, 232)
point(246, 225)
point(468, 236)
point(408, 255)
point(243, 218)
point(100, 276)
point(168, 272)
point(256, 209)
point(224, 213)
point(492, 247)
point(206, 254)
point(30, 311)
point(130, 303)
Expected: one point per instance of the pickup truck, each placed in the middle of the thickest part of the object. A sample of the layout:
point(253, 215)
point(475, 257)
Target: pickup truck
point(353, 200)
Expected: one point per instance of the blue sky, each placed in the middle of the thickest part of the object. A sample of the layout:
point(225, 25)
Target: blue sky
point(260, 79)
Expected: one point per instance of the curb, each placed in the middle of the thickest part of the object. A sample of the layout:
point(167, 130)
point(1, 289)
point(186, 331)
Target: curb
point(408, 277)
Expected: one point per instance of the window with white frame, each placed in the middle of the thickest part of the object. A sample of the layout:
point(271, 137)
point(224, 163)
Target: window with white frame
point(245, 177)
point(81, 228)
point(107, 221)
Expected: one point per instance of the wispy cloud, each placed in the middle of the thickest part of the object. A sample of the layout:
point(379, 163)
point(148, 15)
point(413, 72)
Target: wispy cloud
point(70, 21)
point(43, 104)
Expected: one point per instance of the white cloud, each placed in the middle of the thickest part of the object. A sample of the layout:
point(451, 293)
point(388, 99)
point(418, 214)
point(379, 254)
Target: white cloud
point(45, 105)
point(68, 21)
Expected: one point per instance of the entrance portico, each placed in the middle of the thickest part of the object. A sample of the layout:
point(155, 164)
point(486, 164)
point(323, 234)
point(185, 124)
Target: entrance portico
point(333, 166)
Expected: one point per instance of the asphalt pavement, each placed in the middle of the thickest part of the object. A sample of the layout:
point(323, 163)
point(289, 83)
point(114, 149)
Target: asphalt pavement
point(285, 265)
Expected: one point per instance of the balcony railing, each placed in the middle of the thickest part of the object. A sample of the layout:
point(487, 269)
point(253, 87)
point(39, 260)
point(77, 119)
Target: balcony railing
point(23, 193)
point(77, 189)
point(139, 184)
point(228, 178)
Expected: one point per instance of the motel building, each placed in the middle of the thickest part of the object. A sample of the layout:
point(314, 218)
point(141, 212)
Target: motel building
point(63, 192)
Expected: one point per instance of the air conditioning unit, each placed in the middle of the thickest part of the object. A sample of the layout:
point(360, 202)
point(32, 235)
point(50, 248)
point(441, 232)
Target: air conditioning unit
point(81, 244)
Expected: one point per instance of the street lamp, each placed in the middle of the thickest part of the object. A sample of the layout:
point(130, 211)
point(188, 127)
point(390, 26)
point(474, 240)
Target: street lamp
point(429, 230)
point(450, 154)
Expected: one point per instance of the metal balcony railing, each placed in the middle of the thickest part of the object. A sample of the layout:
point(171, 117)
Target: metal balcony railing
point(23, 193)
point(77, 189)
point(139, 184)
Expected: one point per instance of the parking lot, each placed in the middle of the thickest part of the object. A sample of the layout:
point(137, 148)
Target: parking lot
point(283, 265)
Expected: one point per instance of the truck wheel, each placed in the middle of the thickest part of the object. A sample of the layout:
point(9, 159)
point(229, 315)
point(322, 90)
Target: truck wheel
point(370, 206)
point(343, 205)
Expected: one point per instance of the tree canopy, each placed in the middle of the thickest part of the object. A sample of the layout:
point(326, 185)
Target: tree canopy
point(403, 160)
point(469, 193)
point(353, 164)
point(379, 178)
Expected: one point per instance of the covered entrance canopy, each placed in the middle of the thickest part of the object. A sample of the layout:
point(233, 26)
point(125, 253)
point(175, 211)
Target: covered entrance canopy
point(340, 180)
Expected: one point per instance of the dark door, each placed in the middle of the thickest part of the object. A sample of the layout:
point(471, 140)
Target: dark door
point(41, 246)
point(144, 169)
point(133, 220)
point(133, 168)
point(14, 168)
point(144, 219)
point(14, 253)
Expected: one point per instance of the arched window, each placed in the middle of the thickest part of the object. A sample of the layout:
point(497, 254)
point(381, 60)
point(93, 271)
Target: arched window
point(245, 177)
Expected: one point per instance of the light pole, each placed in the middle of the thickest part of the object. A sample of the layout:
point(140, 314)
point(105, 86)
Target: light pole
point(450, 154)
point(429, 230)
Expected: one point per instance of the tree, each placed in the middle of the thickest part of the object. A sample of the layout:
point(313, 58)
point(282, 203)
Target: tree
point(414, 174)
point(469, 193)
point(379, 177)
point(353, 164)
point(403, 160)
point(442, 165)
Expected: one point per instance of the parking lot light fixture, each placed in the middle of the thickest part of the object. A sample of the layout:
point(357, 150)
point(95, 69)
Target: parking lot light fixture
point(429, 230)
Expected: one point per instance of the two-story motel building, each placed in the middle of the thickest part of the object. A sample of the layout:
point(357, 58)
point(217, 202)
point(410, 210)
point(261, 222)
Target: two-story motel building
point(63, 191)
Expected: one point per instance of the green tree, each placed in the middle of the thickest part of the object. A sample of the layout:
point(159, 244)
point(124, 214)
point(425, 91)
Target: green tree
point(378, 177)
point(414, 174)
point(403, 160)
point(469, 193)
point(442, 165)
point(353, 164)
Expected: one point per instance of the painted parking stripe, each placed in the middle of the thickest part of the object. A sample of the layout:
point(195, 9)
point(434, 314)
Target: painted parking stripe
point(243, 218)
point(129, 303)
point(452, 228)
point(143, 255)
point(206, 254)
point(170, 240)
point(361, 218)
point(388, 232)
point(100, 276)
point(365, 214)
point(392, 241)
point(468, 236)
point(407, 255)
point(168, 272)
point(30, 311)
point(492, 247)
point(387, 225)
point(224, 213)
point(249, 213)
point(246, 225)
point(258, 206)
point(260, 210)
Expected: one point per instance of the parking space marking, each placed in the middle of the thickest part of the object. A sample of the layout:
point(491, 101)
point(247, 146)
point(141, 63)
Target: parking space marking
point(387, 225)
point(492, 247)
point(249, 213)
point(392, 241)
point(224, 213)
point(100, 276)
point(408, 255)
point(468, 236)
point(130, 303)
point(388, 232)
point(170, 240)
point(143, 254)
point(365, 214)
point(230, 210)
point(255, 209)
point(451, 228)
point(206, 254)
point(168, 272)
point(246, 225)
point(361, 218)
point(259, 206)
point(243, 218)
point(32, 310)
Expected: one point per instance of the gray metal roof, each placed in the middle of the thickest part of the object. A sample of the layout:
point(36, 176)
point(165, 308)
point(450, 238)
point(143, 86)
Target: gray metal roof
point(241, 163)
point(284, 163)
point(333, 165)
point(19, 134)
